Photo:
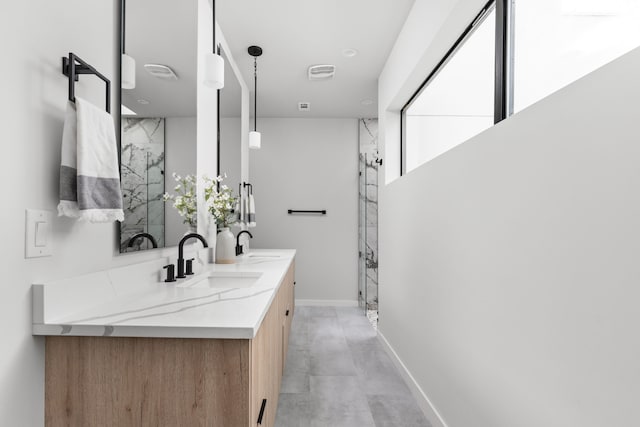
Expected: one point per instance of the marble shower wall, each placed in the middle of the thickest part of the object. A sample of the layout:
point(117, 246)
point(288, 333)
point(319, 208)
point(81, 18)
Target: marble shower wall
point(143, 157)
point(368, 229)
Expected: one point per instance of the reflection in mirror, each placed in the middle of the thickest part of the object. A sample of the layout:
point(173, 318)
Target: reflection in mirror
point(229, 149)
point(158, 126)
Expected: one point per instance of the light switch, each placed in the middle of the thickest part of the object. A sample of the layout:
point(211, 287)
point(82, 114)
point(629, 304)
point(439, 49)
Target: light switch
point(37, 239)
point(42, 234)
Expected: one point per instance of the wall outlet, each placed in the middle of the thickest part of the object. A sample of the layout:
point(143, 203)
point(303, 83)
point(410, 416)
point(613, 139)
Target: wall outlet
point(38, 233)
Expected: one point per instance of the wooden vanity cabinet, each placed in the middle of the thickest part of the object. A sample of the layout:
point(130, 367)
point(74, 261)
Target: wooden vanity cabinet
point(118, 381)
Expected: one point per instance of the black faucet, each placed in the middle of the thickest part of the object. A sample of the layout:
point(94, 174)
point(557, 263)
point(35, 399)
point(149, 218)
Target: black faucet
point(135, 237)
point(238, 245)
point(181, 274)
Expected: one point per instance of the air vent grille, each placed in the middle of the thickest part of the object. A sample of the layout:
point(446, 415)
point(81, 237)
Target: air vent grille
point(161, 71)
point(321, 72)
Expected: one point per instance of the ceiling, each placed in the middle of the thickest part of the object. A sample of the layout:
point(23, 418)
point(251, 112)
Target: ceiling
point(295, 34)
point(162, 32)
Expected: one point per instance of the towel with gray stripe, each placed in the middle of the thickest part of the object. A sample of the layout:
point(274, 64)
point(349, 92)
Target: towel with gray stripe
point(89, 175)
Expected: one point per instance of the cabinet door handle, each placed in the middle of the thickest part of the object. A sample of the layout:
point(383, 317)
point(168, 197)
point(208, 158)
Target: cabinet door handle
point(287, 313)
point(264, 405)
point(294, 283)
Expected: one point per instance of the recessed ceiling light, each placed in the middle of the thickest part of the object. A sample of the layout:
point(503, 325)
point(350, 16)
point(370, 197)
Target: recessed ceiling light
point(366, 101)
point(349, 52)
point(143, 101)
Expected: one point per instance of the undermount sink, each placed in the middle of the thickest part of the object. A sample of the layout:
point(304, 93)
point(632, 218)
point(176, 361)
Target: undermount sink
point(228, 280)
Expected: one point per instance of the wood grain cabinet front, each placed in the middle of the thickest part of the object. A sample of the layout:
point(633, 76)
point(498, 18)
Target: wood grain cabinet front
point(118, 381)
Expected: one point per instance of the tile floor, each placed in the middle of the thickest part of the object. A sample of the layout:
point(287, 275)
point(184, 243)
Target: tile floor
point(338, 375)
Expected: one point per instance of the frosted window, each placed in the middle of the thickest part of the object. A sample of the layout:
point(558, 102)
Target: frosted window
point(457, 103)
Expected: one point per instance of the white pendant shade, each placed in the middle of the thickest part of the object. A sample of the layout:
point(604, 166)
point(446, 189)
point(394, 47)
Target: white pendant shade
point(128, 72)
point(254, 140)
point(214, 71)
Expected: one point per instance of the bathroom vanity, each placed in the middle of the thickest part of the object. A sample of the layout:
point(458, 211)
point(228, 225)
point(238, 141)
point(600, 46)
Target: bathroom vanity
point(205, 351)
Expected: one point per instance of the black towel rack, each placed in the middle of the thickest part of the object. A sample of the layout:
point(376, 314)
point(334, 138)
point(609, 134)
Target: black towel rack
point(295, 211)
point(242, 185)
point(73, 66)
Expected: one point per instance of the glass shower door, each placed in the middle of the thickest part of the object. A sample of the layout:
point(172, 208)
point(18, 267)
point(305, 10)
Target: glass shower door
point(362, 235)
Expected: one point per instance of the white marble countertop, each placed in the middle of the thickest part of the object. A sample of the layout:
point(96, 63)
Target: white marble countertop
point(121, 303)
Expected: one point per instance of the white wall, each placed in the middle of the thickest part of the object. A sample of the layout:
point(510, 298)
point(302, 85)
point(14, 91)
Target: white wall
point(508, 270)
point(310, 164)
point(32, 108)
point(180, 158)
point(231, 150)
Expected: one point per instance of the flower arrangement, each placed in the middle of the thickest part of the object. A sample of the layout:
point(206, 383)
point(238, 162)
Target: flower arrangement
point(185, 200)
point(220, 201)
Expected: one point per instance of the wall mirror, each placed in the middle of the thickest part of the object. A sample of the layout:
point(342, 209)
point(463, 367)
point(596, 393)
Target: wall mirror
point(230, 128)
point(158, 122)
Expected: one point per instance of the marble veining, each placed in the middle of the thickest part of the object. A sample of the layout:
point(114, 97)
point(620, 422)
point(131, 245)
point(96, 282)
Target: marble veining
point(116, 303)
point(368, 227)
point(142, 158)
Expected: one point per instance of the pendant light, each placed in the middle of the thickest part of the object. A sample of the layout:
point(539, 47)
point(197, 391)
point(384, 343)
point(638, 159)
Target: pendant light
point(254, 136)
point(128, 64)
point(214, 65)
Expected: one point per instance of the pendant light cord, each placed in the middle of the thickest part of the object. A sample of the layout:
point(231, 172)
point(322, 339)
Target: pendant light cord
point(255, 94)
point(213, 7)
point(123, 6)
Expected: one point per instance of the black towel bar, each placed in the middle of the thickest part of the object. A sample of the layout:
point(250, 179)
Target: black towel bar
point(73, 66)
point(294, 211)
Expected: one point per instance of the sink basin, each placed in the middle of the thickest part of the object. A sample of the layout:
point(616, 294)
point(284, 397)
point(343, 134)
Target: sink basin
point(228, 280)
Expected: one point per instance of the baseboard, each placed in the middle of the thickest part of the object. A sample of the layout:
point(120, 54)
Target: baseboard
point(327, 302)
point(423, 401)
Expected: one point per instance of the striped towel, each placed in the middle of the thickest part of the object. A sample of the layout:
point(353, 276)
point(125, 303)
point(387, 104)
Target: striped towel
point(251, 211)
point(89, 176)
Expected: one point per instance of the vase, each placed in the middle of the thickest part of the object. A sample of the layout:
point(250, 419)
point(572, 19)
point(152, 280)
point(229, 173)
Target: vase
point(225, 247)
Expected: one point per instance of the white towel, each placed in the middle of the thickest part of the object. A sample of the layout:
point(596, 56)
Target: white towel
point(238, 211)
point(89, 176)
point(251, 211)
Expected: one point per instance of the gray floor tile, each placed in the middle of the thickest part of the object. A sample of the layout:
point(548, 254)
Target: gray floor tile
point(295, 383)
point(361, 334)
point(338, 401)
point(312, 311)
point(297, 362)
point(299, 335)
point(396, 411)
point(377, 372)
point(293, 410)
point(332, 361)
point(337, 374)
point(321, 328)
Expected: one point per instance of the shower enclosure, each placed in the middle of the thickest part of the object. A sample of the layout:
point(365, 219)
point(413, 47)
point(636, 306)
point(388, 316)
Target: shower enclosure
point(368, 219)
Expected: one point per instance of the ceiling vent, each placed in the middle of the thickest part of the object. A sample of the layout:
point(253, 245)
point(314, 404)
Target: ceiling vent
point(304, 106)
point(160, 71)
point(321, 72)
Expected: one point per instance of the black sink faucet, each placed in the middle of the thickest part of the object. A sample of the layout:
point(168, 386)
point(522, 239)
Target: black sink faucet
point(181, 274)
point(238, 245)
point(135, 237)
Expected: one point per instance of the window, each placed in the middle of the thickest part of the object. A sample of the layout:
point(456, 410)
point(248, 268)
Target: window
point(457, 100)
point(515, 53)
point(558, 41)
